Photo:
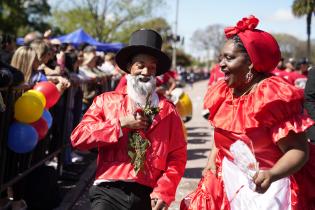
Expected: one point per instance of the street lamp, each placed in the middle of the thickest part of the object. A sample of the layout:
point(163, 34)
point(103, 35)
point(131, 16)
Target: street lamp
point(175, 38)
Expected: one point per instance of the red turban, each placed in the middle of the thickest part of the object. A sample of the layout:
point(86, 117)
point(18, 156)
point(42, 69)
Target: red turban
point(261, 47)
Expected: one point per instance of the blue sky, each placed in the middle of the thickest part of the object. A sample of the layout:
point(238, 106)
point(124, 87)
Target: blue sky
point(275, 16)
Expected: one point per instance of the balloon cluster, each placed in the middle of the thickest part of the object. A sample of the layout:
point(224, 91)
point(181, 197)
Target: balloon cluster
point(32, 117)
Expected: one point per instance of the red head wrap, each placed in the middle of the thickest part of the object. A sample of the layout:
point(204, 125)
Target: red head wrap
point(261, 47)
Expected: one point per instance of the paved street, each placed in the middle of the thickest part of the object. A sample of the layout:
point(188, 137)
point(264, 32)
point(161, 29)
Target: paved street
point(199, 141)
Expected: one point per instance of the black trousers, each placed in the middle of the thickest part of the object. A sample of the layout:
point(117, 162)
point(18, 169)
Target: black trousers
point(310, 132)
point(120, 196)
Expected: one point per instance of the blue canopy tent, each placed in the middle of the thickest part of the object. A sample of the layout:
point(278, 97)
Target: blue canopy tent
point(80, 36)
point(20, 41)
point(77, 37)
point(109, 47)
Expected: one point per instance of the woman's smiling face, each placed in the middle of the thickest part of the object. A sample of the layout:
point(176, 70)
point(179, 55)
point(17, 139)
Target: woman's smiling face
point(235, 65)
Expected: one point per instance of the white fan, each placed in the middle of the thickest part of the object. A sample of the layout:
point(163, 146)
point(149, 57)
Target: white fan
point(245, 160)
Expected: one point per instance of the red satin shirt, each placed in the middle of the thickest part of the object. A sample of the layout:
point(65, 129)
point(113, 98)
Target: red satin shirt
point(166, 157)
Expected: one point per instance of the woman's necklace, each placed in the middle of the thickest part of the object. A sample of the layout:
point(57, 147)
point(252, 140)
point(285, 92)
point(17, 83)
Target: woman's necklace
point(235, 102)
point(248, 90)
point(255, 81)
point(245, 92)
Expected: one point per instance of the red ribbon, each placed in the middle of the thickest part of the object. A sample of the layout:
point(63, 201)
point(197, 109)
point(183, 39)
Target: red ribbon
point(248, 23)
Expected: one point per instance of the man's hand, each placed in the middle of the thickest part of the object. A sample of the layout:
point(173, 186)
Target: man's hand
point(158, 204)
point(168, 93)
point(160, 90)
point(136, 121)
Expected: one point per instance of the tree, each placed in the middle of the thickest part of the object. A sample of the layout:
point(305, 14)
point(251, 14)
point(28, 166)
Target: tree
point(182, 58)
point(104, 18)
point(301, 8)
point(21, 16)
point(210, 39)
point(290, 46)
point(159, 24)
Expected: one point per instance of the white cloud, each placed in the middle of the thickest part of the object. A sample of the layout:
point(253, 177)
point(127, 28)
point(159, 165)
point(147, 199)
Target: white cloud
point(282, 15)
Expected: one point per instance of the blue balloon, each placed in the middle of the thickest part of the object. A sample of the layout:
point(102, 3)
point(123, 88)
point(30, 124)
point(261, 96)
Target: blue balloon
point(47, 117)
point(22, 138)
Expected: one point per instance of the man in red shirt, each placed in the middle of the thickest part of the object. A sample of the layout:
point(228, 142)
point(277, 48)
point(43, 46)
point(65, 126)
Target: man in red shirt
point(139, 135)
point(300, 75)
point(282, 71)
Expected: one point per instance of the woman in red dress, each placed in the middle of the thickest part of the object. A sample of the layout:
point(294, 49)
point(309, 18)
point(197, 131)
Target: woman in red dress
point(275, 169)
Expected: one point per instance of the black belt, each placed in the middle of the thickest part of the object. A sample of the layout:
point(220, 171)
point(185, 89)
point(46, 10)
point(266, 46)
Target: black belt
point(128, 186)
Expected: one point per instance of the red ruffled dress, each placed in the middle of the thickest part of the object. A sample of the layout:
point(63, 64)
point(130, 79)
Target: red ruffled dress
point(260, 119)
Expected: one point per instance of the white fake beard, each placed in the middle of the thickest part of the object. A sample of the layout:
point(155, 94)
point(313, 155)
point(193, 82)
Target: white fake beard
point(139, 90)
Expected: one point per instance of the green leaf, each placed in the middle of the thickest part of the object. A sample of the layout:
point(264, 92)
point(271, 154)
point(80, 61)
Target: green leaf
point(137, 144)
point(132, 155)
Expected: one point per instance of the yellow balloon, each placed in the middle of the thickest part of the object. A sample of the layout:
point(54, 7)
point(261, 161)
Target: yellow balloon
point(38, 95)
point(28, 109)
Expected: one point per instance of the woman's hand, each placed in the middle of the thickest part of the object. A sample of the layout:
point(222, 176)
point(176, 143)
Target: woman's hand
point(62, 84)
point(211, 161)
point(47, 34)
point(65, 82)
point(210, 167)
point(263, 180)
point(136, 121)
point(295, 154)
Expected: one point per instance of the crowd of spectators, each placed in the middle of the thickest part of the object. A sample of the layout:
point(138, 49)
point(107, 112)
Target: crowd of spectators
point(43, 58)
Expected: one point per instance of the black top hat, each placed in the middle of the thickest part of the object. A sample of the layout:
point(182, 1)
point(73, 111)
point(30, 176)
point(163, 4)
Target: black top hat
point(144, 41)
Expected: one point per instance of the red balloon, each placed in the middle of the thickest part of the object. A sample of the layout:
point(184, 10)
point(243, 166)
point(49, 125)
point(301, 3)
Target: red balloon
point(50, 92)
point(41, 127)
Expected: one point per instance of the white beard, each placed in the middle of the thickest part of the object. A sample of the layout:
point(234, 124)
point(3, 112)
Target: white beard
point(138, 91)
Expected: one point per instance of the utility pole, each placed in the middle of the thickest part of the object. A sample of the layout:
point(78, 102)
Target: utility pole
point(175, 38)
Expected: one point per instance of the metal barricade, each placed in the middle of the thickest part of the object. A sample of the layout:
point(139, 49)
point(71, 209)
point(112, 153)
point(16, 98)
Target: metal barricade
point(13, 166)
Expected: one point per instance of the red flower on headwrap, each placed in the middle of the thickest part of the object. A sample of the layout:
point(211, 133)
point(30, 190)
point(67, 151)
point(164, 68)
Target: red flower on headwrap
point(249, 23)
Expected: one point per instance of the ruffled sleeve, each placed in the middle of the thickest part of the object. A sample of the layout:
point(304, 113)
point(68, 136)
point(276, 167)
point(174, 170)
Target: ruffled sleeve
point(274, 104)
point(281, 108)
point(215, 96)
